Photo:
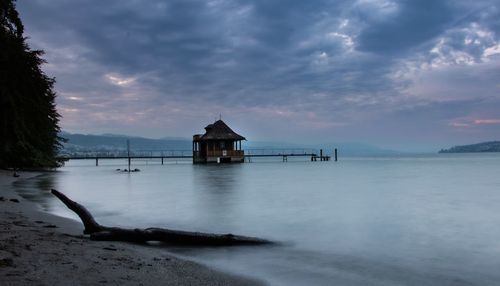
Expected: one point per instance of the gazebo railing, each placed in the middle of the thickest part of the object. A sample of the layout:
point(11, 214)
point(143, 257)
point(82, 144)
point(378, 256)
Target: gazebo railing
point(223, 153)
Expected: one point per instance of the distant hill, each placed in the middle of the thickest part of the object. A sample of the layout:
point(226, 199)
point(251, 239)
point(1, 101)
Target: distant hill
point(493, 146)
point(78, 143)
point(113, 142)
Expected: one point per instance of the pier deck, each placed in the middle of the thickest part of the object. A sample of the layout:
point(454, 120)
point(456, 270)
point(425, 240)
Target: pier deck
point(182, 154)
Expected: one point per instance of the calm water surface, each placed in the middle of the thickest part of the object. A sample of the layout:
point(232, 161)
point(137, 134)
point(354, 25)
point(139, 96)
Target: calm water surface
point(427, 220)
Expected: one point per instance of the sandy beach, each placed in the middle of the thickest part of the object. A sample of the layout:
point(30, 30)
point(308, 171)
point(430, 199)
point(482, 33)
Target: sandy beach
point(37, 248)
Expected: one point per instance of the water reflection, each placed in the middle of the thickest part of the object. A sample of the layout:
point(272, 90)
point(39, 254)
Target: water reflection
point(217, 191)
point(37, 189)
point(217, 179)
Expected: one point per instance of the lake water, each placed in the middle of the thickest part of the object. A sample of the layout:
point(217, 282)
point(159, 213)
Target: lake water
point(423, 220)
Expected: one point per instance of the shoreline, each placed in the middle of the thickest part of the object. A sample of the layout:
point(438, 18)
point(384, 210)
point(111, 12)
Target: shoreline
point(41, 248)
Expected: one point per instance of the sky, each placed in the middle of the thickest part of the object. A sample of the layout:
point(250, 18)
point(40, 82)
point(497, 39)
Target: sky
point(407, 75)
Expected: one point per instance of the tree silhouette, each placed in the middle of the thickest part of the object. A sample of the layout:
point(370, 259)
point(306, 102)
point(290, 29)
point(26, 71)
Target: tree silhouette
point(29, 128)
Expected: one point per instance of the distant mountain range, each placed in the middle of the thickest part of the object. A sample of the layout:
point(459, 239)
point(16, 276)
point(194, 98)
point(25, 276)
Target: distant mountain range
point(493, 146)
point(113, 142)
point(79, 143)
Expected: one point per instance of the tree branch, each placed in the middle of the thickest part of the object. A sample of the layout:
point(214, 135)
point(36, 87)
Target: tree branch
point(178, 237)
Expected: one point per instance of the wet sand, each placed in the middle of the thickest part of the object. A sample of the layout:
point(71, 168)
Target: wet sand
point(37, 248)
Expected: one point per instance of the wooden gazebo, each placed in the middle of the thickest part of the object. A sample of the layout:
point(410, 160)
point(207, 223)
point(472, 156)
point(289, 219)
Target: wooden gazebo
point(219, 144)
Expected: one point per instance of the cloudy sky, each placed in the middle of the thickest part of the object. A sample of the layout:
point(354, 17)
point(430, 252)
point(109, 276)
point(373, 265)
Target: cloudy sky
point(414, 74)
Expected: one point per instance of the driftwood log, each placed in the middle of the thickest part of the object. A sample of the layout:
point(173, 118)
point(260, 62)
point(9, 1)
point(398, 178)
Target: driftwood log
point(177, 237)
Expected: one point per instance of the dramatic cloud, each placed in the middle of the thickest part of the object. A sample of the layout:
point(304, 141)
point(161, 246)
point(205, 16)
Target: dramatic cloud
point(386, 72)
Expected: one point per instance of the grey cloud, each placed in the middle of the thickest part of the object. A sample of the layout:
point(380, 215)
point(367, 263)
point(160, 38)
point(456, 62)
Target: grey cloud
point(414, 24)
point(333, 60)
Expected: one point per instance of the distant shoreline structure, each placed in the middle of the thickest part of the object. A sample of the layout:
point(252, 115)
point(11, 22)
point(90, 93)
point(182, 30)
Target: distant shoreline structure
point(484, 147)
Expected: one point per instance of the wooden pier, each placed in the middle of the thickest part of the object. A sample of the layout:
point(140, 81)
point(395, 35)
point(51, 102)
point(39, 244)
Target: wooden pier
point(184, 154)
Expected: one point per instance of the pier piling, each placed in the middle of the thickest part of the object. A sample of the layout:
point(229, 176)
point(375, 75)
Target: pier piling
point(128, 154)
point(313, 155)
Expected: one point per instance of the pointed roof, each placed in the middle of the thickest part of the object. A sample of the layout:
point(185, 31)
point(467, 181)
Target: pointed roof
point(220, 131)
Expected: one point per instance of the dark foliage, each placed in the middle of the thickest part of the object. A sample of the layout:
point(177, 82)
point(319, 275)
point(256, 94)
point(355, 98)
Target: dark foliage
point(29, 120)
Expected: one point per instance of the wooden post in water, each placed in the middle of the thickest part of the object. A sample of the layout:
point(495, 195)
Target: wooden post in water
point(321, 154)
point(162, 160)
point(335, 154)
point(96, 161)
point(128, 154)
